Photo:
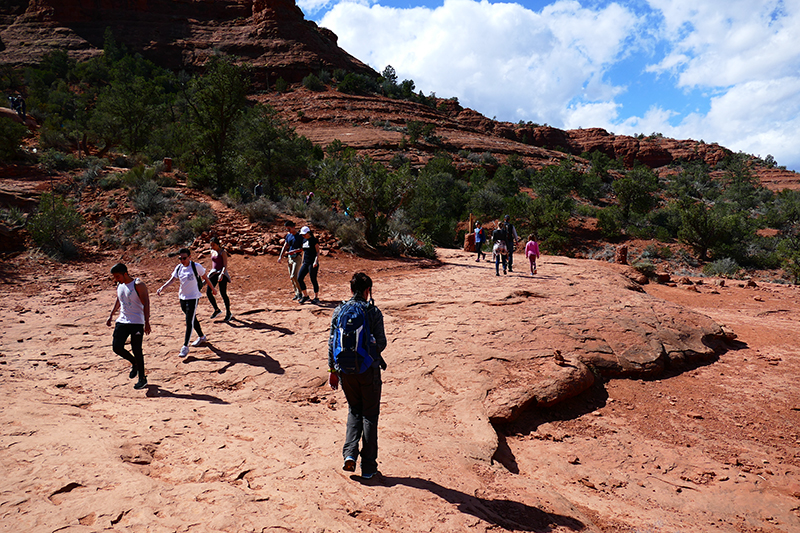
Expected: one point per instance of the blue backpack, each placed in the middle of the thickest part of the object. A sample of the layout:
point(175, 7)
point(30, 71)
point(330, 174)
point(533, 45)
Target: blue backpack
point(351, 337)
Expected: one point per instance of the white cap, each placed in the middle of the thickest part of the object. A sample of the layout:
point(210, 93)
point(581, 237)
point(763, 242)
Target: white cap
point(304, 230)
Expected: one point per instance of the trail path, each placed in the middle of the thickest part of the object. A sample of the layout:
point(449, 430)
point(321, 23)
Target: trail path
point(242, 435)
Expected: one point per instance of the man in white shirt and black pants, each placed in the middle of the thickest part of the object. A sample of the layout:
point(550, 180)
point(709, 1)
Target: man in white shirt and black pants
point(133, 303)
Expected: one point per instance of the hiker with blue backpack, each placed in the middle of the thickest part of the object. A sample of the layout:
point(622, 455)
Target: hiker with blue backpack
point(356, 341)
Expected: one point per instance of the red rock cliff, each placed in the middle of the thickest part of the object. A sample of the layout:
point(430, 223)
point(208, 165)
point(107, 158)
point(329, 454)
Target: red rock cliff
point(271, 35)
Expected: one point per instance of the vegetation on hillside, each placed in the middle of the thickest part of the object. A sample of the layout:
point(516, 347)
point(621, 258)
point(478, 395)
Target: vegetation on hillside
point(122, 110)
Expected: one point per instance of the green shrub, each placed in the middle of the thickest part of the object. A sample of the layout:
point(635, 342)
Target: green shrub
point(56, 226)
point(350, 235)
point(180, 236)
point(201, 223)
point(313, 83)
point(281, 86)
point(261, 210)
point(114, 181)
point(148, 199)
point(725, 267)
point(13, 216)
point(11, 135)
point(645, 267)
point(408, 245)
point(54, 160)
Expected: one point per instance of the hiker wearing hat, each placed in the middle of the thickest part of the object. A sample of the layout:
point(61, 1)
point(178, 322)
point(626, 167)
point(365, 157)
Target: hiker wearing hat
point(310, 264)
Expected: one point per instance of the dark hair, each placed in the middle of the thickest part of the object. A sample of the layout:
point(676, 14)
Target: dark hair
point(119, 268)
point(215, 240)
point(184, 251)
point(360, 282)
point(532, 237)
point(289, 224)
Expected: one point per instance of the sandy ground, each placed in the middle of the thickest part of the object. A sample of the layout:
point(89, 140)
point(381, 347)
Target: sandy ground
point(242, 435)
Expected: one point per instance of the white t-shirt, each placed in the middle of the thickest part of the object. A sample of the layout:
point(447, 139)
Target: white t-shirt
point(185, 275)
point(131, 310)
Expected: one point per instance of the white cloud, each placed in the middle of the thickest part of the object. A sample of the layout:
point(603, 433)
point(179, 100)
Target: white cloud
point(718, 43)
point(499, 58)
point(552, 65)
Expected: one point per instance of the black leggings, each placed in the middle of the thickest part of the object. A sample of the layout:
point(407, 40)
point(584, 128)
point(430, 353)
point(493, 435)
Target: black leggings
point(189, 308)
point(312, 273)
point(136, 333)
point(214, 277)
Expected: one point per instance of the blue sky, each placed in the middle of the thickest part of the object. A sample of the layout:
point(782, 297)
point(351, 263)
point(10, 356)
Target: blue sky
point(725, 71)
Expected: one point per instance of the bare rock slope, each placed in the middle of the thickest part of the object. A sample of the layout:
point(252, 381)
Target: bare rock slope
point(242, 435)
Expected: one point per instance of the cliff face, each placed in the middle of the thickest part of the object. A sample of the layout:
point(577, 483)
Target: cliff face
point(271, 35)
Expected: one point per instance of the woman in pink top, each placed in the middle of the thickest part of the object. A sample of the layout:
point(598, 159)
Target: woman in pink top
point(532, 252)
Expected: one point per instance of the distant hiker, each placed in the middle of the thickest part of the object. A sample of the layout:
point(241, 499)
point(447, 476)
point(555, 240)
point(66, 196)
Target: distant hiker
point(293, 246)
point(219, 274)
point(191, 276)
point(355, 344)
point(17, 104)
point(499, 249)
point(532, 252)
point(21, 107)
point(480, 238)
point(511, 241)
point(258, 190)
point(133, 303)
point(310, 265)
point(309, 197)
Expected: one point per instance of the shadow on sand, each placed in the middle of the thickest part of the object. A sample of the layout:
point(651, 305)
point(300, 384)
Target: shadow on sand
point(255, 358)
point(253, 324)
point(507, 514)
point(154, 391)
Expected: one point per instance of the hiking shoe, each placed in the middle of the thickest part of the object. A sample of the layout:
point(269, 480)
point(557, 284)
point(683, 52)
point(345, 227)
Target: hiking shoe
point(368, 475)
point(228, 317)
point(304, 299)
point(133, 373)
point(184, 351)
point(497, 273)
point(315, 301)
point(349, 465)
point(504, 272)
point(199, 341)
point(296, 297)
point(216, 313)
point(142, 383)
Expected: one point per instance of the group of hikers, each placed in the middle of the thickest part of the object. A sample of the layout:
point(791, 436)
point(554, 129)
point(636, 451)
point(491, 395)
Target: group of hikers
point(355, 342)
point(504, 243)
point(356, 338)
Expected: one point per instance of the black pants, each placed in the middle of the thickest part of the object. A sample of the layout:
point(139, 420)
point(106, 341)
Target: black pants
point(136, 333)
point(189, 308)
point(363, 393)
point(510, 258)
point(312, 273)
point(214, 277)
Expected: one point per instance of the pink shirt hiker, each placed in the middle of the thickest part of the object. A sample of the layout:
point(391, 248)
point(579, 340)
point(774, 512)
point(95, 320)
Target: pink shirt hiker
point(532, 249)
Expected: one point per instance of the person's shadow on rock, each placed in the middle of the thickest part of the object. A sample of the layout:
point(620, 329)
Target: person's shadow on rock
point(507, 514)
point(252, 324)
point(154, 391)
point(256, 358)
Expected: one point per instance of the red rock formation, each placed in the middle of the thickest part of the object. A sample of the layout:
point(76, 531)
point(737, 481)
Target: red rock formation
point(271, 35)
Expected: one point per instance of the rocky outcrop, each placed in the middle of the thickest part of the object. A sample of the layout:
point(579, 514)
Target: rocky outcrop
point(605, 326)
point(272, 36)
